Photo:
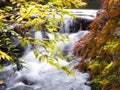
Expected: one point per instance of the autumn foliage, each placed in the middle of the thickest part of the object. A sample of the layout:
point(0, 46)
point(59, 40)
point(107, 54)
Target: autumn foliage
point(100, 49)
point(20, 19)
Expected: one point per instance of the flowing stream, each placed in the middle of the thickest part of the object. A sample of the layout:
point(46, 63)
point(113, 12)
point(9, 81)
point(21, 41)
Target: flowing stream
point(42, 76)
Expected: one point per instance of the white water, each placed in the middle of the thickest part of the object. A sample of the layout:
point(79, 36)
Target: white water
point(71, 24)
point(42, 76)
point(85, 13)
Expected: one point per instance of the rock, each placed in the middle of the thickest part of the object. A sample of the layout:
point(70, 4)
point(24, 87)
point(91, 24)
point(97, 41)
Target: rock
point(2, 85)
point(27, 81)
point(4, 62)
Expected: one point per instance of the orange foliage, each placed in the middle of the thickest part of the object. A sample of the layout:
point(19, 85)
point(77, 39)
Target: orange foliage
point(100, 49)
point(80, 44)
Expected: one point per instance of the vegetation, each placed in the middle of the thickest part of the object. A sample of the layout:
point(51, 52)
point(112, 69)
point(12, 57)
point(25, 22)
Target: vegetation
point(100, 49)
point(16, 19)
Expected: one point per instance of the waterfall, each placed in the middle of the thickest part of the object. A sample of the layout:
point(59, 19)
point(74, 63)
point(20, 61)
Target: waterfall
point(42, 76)
point(81, 22)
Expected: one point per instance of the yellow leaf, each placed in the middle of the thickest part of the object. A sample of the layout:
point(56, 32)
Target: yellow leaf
point(4, 55)
point(110, 1)
point(2, 16)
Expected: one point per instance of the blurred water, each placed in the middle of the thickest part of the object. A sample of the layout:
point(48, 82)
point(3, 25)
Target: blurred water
point(42, 76)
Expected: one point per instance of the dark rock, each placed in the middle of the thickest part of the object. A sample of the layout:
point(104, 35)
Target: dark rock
point(44, 34)
point(3, 86)
point(88, 83)
point(27, 81)
point(4, 62)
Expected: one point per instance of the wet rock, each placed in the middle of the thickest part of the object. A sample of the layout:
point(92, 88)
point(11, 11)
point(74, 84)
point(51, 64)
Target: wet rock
point(2, 85)
point(27, 81)
point(4, 62)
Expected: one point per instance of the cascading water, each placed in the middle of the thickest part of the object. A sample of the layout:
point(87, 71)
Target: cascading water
point(42, 76)
point(81, 22)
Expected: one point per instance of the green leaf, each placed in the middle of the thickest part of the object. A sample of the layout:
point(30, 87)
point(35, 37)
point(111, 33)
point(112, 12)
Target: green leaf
point(67, 70)
point(36, 53)
point(1, 67)
point(36, 27)
point(54, 64)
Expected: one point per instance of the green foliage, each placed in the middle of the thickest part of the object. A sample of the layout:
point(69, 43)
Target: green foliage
point(7, 48)
point(24, 14)
point(102, 48)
